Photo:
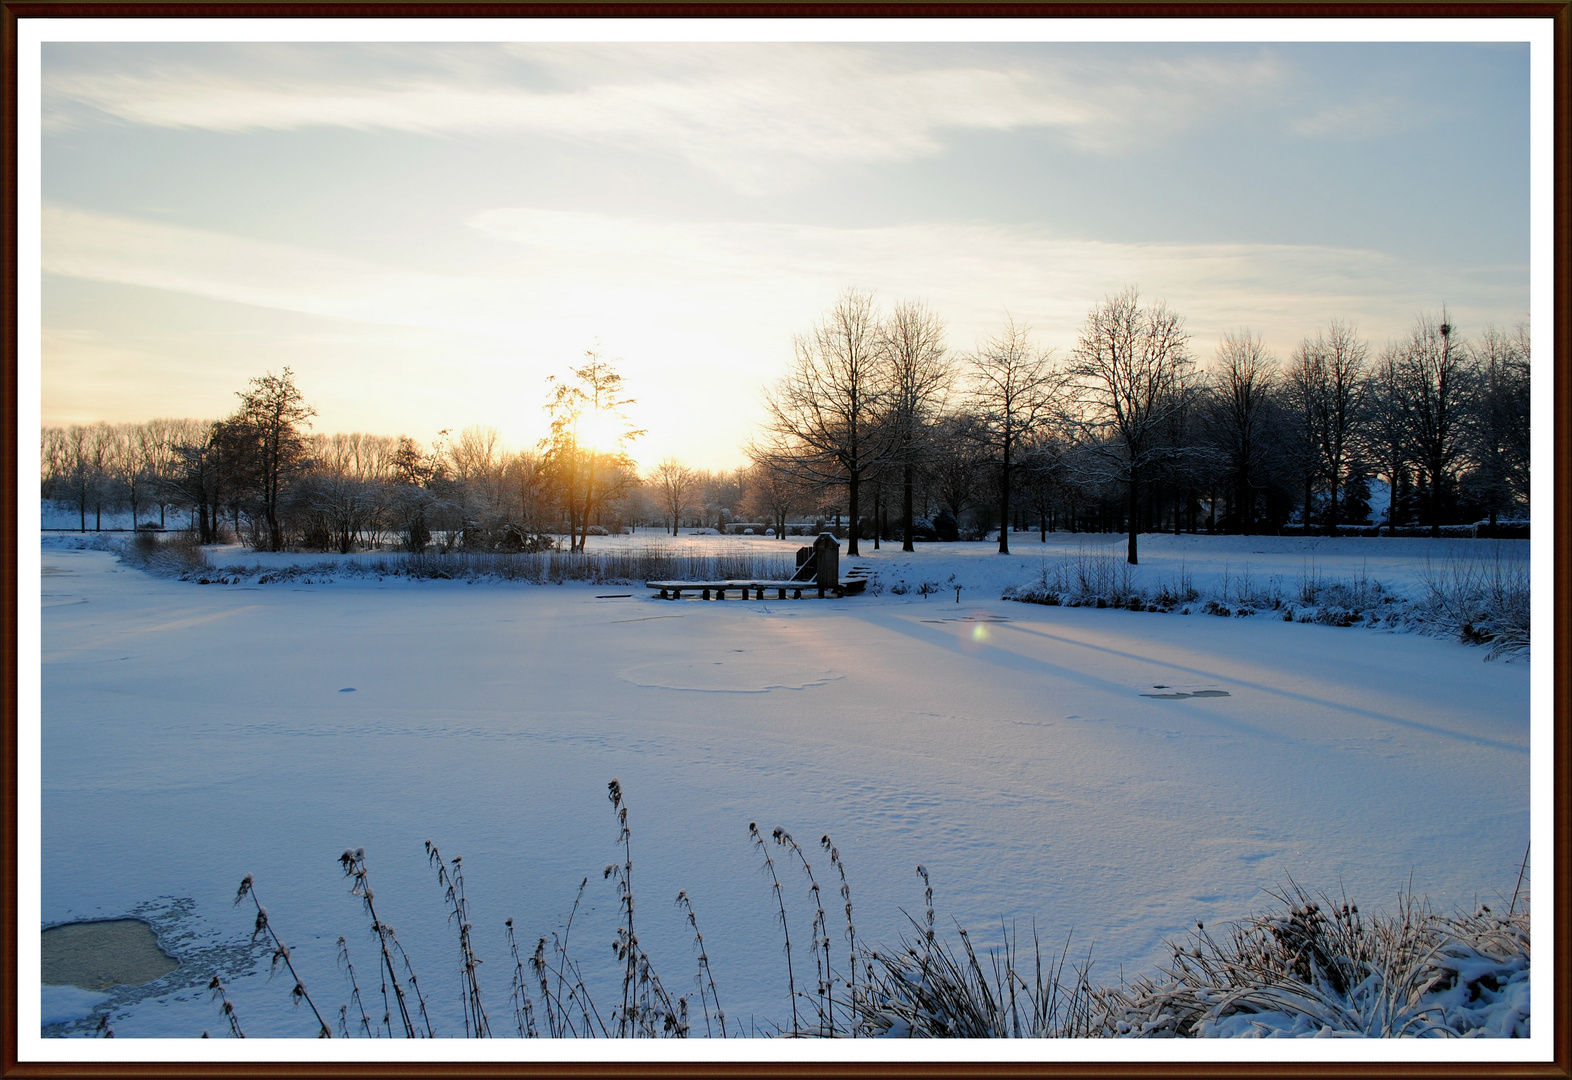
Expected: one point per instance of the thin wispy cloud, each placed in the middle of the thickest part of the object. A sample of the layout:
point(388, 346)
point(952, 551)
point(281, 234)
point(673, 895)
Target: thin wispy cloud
point(596, 273)
point(759, 117)
point(1367, 118)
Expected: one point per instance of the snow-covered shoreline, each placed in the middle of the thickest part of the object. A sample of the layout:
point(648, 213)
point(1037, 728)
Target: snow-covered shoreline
point(1393, 584)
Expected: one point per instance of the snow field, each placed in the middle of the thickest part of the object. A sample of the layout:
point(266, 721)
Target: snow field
point(194, 735)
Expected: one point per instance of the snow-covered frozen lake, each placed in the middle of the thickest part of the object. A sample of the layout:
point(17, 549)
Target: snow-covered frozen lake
point(192, 735)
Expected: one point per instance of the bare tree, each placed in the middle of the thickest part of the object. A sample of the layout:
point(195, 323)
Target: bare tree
point(100, 448)
point(1131, 369)
point(590, 431)
point(1387, 435)
point(1501, 427)
point(823, 416)
point(1045, 475)
point(1328, 380)
point(51, 461)
point(773, 494)
point(527, 483)
point(267, 427)
point(200, 475)
point(75, 472)
point(414, 501)
point(1435, 380)
point(954, 463)
point(475, 453)
point(127, 464)
point(1013, 388)
point(920, 378)
point(162, 437)
point(347, 496)
point(1243, 386)
point(674, 483)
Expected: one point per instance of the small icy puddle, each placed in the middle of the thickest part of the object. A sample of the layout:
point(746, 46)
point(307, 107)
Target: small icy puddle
point(98, 955)
point(1170, 693)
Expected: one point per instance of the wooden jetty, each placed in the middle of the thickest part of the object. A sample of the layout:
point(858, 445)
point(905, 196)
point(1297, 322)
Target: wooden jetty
point(818, 572)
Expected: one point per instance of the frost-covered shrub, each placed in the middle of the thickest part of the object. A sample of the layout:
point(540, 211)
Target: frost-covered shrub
point(1087, 578)
point(1479, 601)
point(1315, 967)
point(165, 554)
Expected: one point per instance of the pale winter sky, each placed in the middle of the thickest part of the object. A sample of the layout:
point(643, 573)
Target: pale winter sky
point(425, 232)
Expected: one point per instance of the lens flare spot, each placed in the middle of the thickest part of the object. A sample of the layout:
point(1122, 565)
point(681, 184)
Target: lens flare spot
point(979, 633)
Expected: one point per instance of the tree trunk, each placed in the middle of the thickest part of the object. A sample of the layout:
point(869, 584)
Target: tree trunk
point(1135, 510)
point(851, 511)
point(907, 512)
point(1004, 507)
point(589, 502)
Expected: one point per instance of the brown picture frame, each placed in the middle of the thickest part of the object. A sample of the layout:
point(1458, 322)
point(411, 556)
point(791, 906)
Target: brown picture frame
point(15, 12)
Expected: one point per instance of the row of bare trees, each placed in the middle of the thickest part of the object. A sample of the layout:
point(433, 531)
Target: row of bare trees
point(263, 474)
point(1125, 431)
point(878, 403)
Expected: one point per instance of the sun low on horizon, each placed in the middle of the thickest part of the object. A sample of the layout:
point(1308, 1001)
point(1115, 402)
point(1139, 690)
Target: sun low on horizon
point(425, 233)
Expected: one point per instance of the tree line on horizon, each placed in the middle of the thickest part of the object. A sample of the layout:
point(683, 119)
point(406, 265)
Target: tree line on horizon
point(1127, 432)
point(880, 428)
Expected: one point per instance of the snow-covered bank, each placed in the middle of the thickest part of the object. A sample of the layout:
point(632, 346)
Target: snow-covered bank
point(1029, 757)
point(1474, 591)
